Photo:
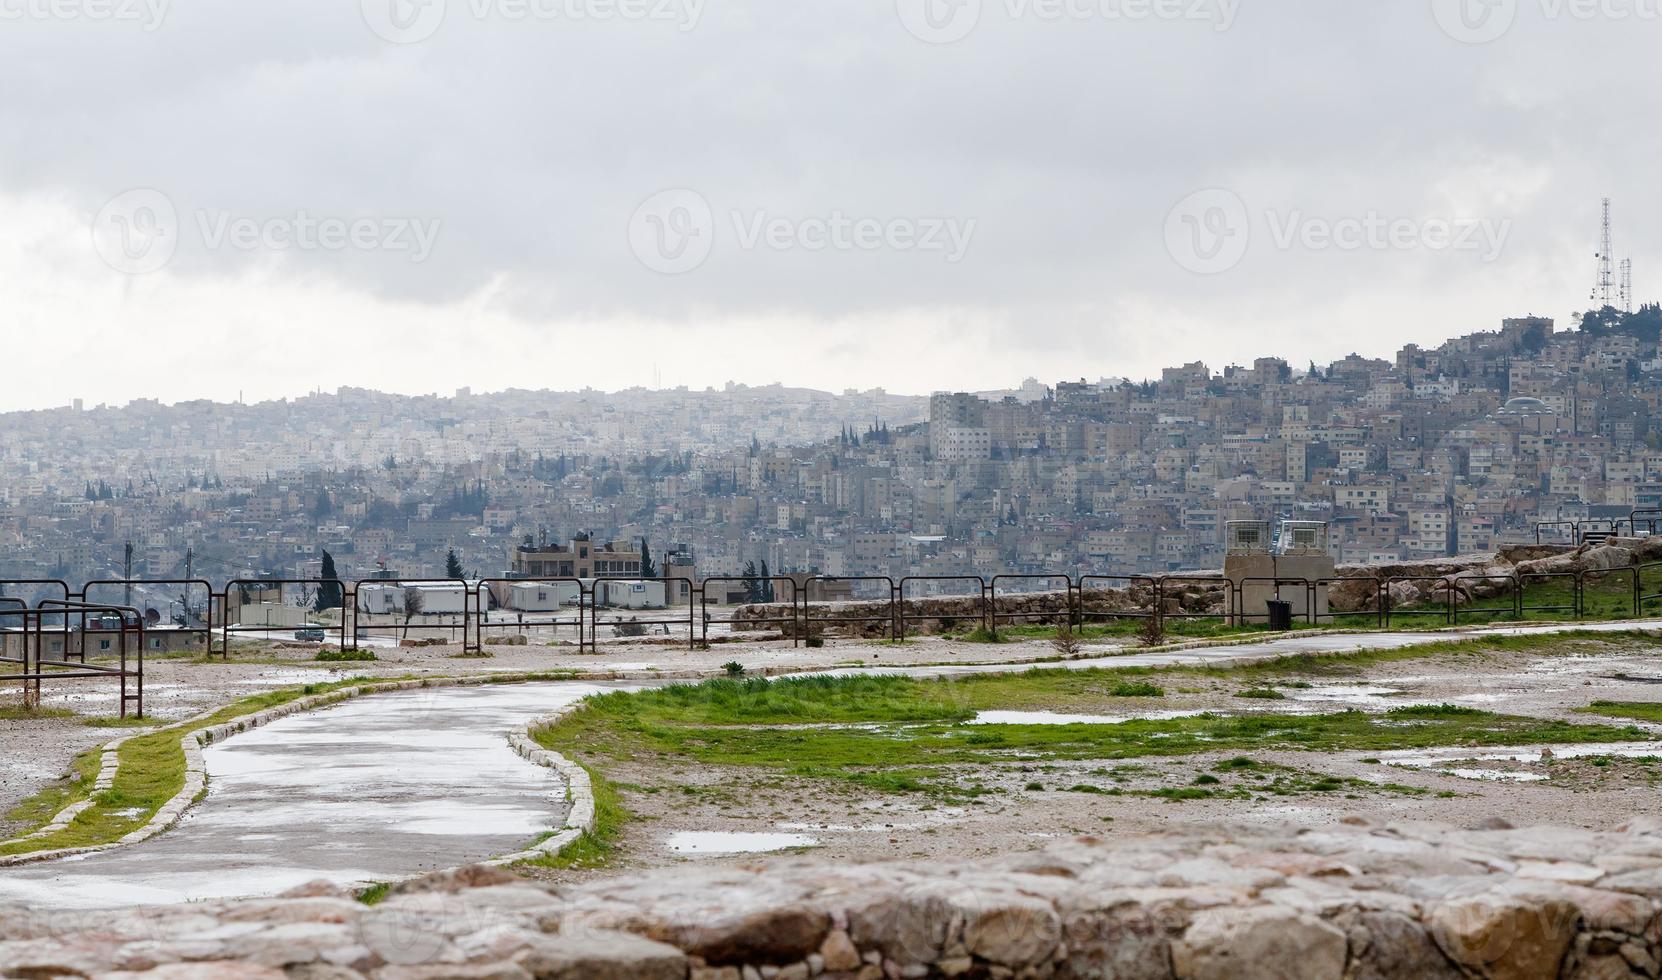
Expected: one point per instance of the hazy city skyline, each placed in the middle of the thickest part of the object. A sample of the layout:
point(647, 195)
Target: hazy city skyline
point(917, 198)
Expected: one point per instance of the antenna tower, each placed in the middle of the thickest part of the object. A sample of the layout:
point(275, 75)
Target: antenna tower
point(1604, 287)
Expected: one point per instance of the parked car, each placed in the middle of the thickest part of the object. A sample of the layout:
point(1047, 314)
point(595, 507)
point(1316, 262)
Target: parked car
point(310, 635)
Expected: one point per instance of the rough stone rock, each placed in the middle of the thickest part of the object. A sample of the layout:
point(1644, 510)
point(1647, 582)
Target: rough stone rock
point(603, 956)
point(222, 970)
point(1506, 936)
point(477, 971)
point(1371, 900)
point(1010, 930)
point(1259, 944)
point(459, 879)
point(322, 971)
point(316, 889)
point(837, 953)
point(1390, 946)
point(771, 935)
point(1126, 941)
point(911, 926)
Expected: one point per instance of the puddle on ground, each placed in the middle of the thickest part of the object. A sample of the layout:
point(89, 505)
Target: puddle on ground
point(1425, 758)
point(1054, 718)
point(1438, 760)
point(1496, 775)
point(713, 842)
point(1355, 695)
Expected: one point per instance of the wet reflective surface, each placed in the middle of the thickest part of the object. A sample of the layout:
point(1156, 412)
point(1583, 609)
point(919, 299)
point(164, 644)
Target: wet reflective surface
point(369, 790)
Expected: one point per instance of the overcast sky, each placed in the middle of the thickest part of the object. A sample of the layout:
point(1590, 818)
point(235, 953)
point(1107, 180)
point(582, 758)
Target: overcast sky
point(201, 198)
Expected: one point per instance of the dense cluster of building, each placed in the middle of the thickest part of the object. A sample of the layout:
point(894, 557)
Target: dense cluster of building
point(1439, 451)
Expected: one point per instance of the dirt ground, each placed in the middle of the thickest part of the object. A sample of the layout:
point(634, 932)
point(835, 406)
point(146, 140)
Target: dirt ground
point(1027, 805)
point(1023, 806)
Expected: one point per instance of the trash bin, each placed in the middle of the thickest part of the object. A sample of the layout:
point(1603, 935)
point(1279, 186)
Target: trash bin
point(1281, 616)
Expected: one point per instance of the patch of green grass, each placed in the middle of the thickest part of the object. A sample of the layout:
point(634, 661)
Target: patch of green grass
point(1634, 710)
point(46, 804)
point(128, 722)
point(374, 894)
point(151, 771)
point(594, 848)
point(16, 712)
point(1436, 711)
point(726, 724)
point(1262, 694)
point(345, 656)
point(1136, 689)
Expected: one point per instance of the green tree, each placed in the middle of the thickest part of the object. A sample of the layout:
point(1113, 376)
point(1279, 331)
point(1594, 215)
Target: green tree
point(767, 582)
point(330, 593)
point(649, 568)
point(752, 588)
point(453, 566)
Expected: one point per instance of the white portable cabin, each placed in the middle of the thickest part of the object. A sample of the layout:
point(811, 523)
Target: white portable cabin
point(442, 599)
point(629, 594)
point(543, 596)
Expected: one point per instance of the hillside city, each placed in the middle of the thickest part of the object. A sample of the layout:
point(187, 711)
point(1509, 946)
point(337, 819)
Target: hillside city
point(1433, 452)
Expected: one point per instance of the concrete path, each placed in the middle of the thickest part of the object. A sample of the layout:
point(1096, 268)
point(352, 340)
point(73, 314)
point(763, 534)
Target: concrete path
point(368, 790)
point(392, 785)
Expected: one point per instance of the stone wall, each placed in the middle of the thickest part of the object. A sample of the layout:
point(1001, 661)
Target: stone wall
point(1475, 578)
point(1349, 901)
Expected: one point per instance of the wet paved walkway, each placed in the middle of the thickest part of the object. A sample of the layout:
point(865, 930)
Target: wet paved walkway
point(396, 784)
point(367, 790)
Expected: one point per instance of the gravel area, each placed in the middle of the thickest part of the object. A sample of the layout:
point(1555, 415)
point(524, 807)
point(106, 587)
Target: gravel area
point(1030, 805)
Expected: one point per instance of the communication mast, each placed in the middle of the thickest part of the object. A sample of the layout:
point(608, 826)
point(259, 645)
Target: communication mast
point(1627, 285)
point(1604, 287)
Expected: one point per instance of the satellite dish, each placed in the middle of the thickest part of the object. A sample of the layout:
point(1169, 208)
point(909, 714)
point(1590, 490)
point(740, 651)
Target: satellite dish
point(151, 616)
